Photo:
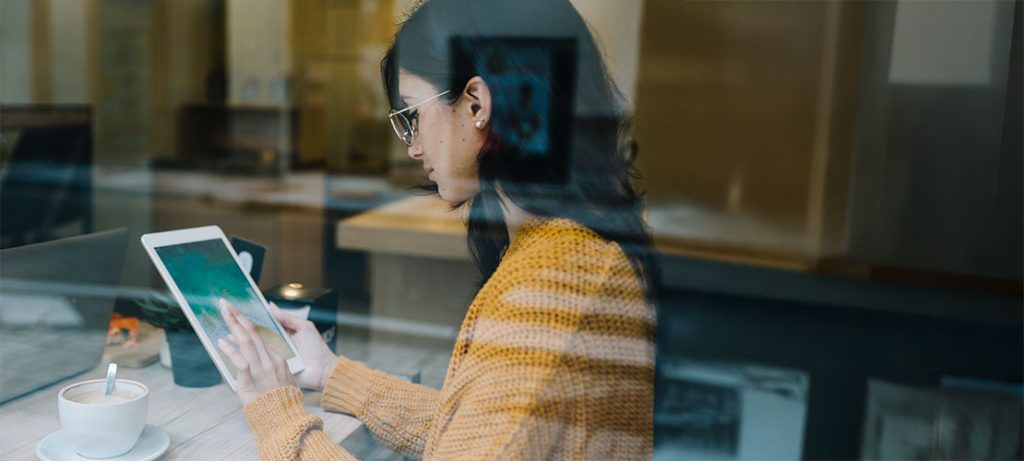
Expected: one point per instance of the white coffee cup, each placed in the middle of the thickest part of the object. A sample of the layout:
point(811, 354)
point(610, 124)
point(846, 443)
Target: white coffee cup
point(101, 426)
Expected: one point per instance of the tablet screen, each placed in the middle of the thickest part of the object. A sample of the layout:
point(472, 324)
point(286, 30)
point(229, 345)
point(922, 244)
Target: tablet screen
point(205, 272)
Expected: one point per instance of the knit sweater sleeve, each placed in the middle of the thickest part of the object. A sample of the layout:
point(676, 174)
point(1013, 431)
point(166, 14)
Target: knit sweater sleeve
point(284, 431)
point(514, 411)
point(397, 412)
point(528, 364)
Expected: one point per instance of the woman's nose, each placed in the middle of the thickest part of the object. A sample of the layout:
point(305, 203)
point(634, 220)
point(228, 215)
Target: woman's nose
point(415, 152)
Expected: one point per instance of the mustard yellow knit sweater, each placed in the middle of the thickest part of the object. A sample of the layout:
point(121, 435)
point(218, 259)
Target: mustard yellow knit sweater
point(554, 360)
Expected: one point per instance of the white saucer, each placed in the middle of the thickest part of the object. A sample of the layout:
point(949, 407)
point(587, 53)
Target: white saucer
point(152, 443)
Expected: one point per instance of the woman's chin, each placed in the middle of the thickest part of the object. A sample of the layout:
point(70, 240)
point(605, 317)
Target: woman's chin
point(451, 196)
point(446, 196)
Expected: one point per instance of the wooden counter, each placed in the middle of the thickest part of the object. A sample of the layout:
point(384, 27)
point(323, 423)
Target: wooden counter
point(420, 269)
point(425, 226)
point(421, 226)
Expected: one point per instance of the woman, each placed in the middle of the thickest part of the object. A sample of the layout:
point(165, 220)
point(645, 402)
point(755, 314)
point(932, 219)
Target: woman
point(508, 105)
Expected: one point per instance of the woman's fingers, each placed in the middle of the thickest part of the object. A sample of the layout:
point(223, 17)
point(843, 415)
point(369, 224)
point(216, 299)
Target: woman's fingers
point(289, 323)
point(258, 367)
point(241, 337)
point(292, 324)
point(280, 366)
point(255, 339)
point(242, 371)
point(237, 360)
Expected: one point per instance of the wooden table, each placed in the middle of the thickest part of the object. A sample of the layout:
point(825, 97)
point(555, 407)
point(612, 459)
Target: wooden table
point(204, 423)
point(426, 227)
point(420, 226)
point(421, 273)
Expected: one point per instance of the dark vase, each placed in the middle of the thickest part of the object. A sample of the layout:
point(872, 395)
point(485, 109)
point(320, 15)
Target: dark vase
point(191, 365)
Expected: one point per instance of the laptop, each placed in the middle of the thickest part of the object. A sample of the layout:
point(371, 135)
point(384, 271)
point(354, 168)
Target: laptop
point(56, 299)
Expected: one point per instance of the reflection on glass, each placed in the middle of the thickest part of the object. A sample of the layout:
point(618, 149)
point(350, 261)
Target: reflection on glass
point(56, 299)
point(848, 171)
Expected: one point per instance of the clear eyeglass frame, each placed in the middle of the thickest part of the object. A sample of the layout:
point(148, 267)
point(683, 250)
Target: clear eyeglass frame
point(404, 127)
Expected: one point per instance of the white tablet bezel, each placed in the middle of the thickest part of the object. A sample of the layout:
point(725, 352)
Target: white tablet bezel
point(156, 240)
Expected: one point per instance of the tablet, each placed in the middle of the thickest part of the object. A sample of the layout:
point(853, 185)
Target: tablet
point(200, 268)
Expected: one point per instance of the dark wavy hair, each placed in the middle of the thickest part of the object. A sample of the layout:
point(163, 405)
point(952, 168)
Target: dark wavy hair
point(558, 141)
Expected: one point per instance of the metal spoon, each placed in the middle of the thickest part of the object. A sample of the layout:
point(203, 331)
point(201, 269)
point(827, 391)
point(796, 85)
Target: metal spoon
point(111, 374)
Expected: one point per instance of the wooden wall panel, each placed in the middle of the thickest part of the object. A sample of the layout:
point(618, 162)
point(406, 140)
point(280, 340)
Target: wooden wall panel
point(728, 104)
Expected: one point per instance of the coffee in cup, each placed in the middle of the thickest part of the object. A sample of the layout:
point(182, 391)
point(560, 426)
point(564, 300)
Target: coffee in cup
point(103, 426)
point(98, 398)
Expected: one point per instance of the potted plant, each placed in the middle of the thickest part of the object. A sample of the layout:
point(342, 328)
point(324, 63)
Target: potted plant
point(190, 364)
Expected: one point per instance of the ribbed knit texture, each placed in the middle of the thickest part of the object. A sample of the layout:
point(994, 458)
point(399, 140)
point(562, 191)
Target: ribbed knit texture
point(554, 360)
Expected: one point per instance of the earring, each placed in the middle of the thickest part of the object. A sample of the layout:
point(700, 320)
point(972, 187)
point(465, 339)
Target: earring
point(479, 124)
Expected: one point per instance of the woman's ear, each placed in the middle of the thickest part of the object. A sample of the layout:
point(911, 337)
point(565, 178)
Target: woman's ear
point(479, 97)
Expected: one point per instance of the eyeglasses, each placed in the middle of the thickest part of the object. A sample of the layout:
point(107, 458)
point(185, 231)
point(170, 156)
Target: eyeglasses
point(403, 125)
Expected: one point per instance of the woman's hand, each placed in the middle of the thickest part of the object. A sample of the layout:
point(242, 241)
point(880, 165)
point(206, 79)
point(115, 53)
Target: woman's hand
point(317, 357)
point(259, 368)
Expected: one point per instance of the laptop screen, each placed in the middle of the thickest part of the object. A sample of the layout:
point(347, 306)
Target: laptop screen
point(56, 299)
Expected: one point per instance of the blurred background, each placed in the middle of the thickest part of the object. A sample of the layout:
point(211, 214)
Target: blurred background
point(834, 189)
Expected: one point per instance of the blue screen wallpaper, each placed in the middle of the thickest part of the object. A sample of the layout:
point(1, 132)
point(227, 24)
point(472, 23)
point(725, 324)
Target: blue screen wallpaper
point(205, 272)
